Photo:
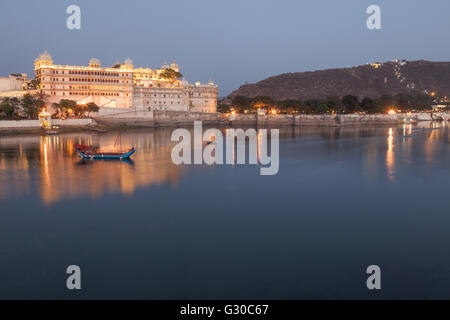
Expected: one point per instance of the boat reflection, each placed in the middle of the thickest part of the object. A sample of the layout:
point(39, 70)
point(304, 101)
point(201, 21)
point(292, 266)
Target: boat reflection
point(50, 166)
point(84, 162)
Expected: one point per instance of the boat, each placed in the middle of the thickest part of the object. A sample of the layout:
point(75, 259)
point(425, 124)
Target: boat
point(51, 131)
point(89, 152)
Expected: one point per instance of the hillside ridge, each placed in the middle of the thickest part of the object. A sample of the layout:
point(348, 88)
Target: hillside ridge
point(370, 80)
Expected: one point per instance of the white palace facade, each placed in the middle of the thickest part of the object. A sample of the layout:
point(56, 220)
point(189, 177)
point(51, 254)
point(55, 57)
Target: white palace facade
point(123, 86)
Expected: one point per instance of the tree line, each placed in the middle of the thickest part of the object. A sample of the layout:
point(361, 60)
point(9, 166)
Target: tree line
point(332, 104)
point(30, 105)
point(70, 108)
point(27, 107)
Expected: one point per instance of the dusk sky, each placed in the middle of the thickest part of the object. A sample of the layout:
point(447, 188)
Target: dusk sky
point(230, 42)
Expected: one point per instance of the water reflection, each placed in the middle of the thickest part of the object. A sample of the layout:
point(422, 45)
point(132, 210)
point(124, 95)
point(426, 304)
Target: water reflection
point(390, 158)
point(48, 166)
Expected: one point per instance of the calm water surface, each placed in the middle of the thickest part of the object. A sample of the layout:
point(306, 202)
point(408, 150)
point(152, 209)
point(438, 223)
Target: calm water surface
point(344, 198)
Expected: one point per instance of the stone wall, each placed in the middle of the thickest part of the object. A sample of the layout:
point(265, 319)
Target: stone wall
point(105, 111)
point(73, 122)
point(172, 118)
point(427, 116)
point(158, 118)
point(19, 124)
point(441, 116)
point(415, 116)
point(423, 116)
point(315, 120)
point(366, 119)
point(34, 124)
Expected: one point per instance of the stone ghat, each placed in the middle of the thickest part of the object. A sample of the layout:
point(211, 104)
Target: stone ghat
point(317, 120)
point(173, 118)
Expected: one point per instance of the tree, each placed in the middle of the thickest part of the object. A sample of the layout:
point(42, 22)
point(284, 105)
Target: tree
point(69, 107)
point(41, 99)
point(334, 103)
point(223, 108)
point(241, 103)
point(92, 107)
point(170, 74)
point(31, 106)
point(350, 103)
point(79, 110)
point(9, 108)
point(422, 102)
point(369, 105)
point(385, 102)
point(313, 103)
point(323, 108)
point(262, 102)
point(66, 107)
point(34, 84)
point(403, 101)
point(290, 105)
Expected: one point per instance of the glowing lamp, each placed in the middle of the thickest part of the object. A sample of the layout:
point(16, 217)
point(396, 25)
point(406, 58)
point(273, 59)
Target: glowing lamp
point(392, 112)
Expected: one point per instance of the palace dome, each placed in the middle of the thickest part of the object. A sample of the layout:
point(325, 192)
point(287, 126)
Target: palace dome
point(184, 83)
point(94, 61)
point(128, 62)
point(44, 56)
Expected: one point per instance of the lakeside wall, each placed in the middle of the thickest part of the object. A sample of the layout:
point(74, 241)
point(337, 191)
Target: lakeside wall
point(158, 118)
point(34, 124)
point(173, 118)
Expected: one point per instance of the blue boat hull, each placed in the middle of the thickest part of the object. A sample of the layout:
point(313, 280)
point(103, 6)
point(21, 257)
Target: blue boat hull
point(107, 156)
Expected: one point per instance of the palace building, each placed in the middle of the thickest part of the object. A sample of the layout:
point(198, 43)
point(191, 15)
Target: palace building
point(123, 86)
point(15, 82)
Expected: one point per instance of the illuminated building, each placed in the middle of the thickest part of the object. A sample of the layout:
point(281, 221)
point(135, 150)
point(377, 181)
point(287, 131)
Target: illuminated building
point(108, 87)
point(15, 82)
point(123, 86)
point(13, 86)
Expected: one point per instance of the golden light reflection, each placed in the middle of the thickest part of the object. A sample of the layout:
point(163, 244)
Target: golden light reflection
point(407, 142)
point(390, 156)
point(432, 135)
point(57, 173)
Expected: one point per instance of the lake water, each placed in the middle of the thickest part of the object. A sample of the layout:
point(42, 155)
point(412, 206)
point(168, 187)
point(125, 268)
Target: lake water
point(344, 199)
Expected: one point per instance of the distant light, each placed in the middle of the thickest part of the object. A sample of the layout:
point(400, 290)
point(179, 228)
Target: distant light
point(392, 112)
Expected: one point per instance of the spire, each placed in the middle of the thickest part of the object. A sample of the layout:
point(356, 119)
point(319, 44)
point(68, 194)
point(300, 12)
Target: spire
point(129, 62)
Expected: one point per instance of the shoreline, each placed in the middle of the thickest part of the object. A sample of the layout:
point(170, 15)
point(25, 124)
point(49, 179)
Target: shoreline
point(182, 119)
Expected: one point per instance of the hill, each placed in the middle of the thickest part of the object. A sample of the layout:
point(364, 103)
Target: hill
point(371, 80)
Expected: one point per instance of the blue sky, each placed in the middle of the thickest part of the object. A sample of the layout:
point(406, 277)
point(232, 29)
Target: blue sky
point(231, 41)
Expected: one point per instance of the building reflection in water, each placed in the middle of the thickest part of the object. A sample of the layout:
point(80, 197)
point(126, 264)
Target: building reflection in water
point(49, 165)
point(433, 135)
